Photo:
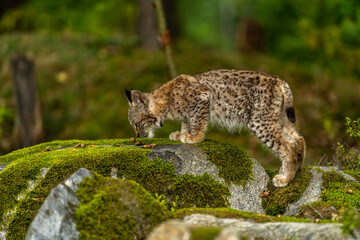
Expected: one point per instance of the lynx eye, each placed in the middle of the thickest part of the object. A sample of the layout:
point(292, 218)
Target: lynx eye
point(145, 123)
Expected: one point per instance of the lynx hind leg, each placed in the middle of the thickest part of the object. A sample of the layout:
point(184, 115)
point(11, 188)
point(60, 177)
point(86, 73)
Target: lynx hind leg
point(288, 155)
point(285, 147)
point(300, 144)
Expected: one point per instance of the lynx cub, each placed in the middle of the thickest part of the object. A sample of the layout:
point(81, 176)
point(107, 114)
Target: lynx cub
point(228, 98)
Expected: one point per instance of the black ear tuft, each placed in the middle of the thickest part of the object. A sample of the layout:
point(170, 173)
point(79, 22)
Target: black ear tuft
point(128, 95)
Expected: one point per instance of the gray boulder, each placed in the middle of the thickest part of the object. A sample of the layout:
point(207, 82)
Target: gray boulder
point(236, 229)
point(189, 159)
point(3, 166)
point(313, 191)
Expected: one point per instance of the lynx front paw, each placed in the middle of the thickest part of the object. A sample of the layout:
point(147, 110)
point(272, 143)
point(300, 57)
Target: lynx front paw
point(280, 180)
point(175, 136)
point(188, 138)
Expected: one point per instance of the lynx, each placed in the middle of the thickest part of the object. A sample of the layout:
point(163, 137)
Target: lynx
point(228, 98)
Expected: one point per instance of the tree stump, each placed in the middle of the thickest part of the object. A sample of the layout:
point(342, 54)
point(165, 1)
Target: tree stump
point(250, 36)
point(147, 25)
point(28, 128)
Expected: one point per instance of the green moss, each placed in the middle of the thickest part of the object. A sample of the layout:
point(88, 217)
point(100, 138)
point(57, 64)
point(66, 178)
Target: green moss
point(336, 193)
point(116, 209)
point(156, 176)
point(334, 197)
point(205, 233)
point(235, 165)
point(233, 213)
point(355, 173)
point(213, 194)
point(279, 198)
point(70, 143)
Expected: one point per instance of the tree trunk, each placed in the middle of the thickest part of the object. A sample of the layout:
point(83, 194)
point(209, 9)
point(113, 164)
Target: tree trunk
point(251, 36)
point(165, 38)
point(6, 5)
point(147, 25)
point(28, 129)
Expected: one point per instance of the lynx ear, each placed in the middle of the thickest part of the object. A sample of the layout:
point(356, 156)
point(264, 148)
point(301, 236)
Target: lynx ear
point(138, 97)
point(134, 96)
point(128, 96)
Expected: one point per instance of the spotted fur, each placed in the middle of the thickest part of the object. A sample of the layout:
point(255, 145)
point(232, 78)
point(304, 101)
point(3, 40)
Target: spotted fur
point(228, 98)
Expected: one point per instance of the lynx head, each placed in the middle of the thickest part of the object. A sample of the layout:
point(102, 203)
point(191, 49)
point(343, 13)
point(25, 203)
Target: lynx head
point(141, 119)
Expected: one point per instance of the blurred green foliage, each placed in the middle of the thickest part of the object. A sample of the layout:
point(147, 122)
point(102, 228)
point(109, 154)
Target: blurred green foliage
point(86, 53)
point(321, 31)
point(350, 157)
point(90, 16)
point(351, 222)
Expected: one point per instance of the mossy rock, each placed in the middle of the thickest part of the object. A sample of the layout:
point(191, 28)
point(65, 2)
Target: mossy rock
point(116, 209)
point(339, 191)
point(216, 175)
point(131, 162)
point(316, 192)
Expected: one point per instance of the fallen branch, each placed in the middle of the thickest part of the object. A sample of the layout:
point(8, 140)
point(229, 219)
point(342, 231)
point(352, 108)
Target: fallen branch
point(316, 211)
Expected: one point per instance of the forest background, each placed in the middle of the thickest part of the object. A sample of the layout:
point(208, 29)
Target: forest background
point(86, 52)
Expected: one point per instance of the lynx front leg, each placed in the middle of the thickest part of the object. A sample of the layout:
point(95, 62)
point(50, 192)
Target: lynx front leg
point(198, 117)
point(197, 132)
point(175, 136)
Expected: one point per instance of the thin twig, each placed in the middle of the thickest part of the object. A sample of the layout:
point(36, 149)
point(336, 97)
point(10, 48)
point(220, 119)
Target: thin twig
point(321, 159)
point(317, 212)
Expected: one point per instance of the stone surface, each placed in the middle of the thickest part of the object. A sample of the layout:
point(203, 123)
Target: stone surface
point(55, 218)
point(310, 195)
point(247, 198)
point(171, 230)
point(313, 192)
point(345, 175)
point(3, 166)
point(234, 229)
point(189, 159)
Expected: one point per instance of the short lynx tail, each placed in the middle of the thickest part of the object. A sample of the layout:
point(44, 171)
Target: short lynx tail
point(290, 112)
point(288, 102)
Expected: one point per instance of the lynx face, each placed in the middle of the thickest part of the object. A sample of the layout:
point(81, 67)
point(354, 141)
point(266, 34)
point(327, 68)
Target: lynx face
point(140, 118)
